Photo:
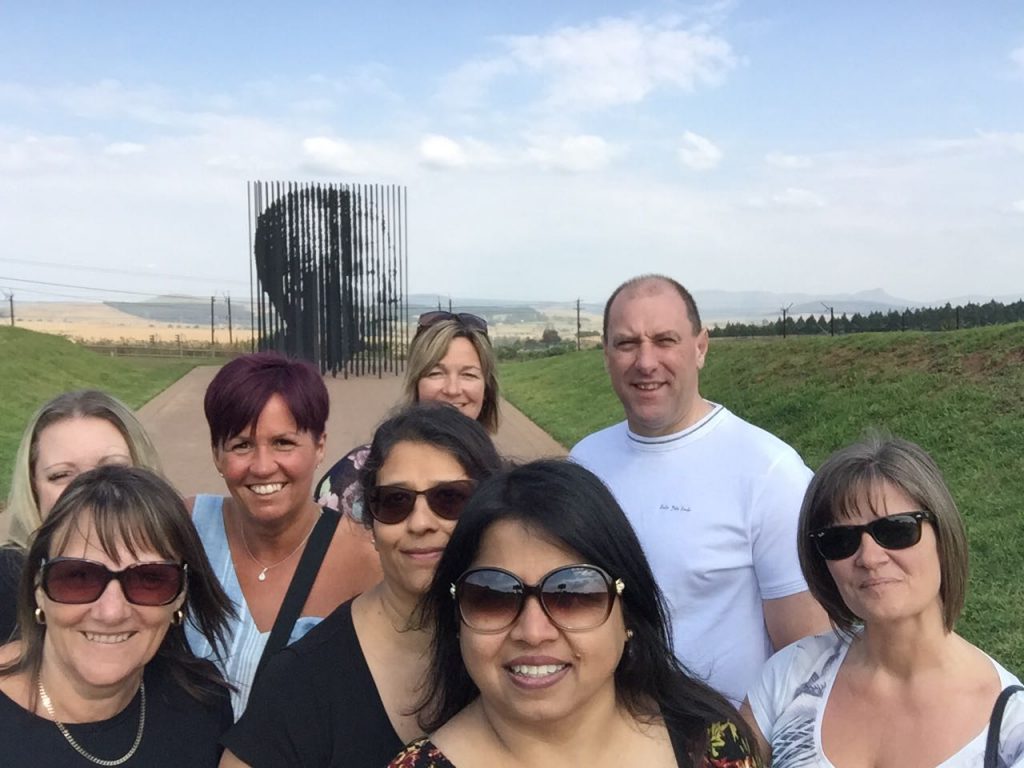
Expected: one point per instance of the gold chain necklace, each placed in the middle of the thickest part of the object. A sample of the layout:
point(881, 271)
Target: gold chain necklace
point(48, 706)
point(263, 574)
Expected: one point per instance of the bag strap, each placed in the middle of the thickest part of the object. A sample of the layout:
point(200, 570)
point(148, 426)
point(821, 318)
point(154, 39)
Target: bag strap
point(995, 724)
point(301, 584)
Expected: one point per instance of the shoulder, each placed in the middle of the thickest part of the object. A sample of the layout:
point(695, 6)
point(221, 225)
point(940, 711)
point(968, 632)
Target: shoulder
point(727, 748)
point(421, 753)
point(809, 652)
point(206, 505)
point(756, 444)
point(598, 442)
point(333, 639)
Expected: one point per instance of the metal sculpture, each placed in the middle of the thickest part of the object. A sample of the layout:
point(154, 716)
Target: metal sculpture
point(330, 284)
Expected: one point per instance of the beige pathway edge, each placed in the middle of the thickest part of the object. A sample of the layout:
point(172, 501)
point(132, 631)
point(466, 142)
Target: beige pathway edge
point(175, 422)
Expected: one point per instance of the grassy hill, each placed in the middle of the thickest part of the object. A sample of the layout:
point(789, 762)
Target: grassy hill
point(959, 394)
point(36, 366)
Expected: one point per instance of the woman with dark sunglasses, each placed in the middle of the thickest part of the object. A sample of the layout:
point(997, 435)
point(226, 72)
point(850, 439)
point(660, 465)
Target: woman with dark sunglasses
point(551, 641)
point(343, 694)
point(884, 550)
point(450, 360)
point(102, 674)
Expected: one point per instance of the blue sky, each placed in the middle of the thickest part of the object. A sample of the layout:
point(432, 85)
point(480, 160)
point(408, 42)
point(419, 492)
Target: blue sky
point(550, 150)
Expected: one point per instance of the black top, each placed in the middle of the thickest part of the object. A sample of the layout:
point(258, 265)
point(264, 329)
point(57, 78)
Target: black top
point(315, 704)
point(179, 731)
point(11, 561)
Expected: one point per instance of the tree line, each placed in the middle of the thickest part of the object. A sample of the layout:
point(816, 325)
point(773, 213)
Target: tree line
point(946, 318)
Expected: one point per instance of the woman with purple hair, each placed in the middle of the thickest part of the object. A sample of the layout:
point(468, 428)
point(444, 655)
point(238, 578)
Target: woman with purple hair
point(267, 415)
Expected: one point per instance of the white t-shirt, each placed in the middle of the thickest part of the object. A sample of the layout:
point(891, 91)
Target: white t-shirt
point(789, 699)
point(715, 507)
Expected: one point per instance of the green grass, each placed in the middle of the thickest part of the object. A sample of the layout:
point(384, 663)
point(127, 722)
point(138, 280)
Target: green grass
point(36, 366)
point(960, 394)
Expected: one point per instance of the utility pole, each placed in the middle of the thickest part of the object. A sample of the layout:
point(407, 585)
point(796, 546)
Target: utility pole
point(212, 342)
point(831, 318)
point(231, 338)
point(10, 299)
point(785, 311)
point(579, 326)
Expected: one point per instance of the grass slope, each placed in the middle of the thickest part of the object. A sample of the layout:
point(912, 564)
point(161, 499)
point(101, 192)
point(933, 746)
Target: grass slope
point(959, 394)
point(36, 366)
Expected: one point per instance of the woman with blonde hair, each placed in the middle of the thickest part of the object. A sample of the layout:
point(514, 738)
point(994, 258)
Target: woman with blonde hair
point(70, 434)
point(450, 360)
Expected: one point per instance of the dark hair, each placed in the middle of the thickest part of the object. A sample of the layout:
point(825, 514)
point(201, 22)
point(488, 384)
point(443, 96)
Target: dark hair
point(850, 478)
point(440, 425)
point(570, 506)
point(137, 509)
point(239, 392)
point(644, 280)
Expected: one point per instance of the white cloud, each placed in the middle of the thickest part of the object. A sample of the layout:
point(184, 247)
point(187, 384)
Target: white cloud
point(442, 152)
point(698, 152)
point(782, 160)
point(330, 156)
point(574, 154)
point(610, 62)
point(1018, 205)
point(794, 197)
point(122, 148)
point(1017, 57)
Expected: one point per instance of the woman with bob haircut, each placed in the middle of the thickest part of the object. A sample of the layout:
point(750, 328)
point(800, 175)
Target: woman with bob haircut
point(343, 695)
point(450, 360)
point(883, 549)
point(267, 416)
point(551, 640)
point(70, 434)
point(102, 673)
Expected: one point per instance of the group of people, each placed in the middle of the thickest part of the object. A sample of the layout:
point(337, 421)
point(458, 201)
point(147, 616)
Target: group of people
point(683, 591)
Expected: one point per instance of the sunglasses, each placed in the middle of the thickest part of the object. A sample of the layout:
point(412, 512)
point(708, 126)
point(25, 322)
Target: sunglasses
point(470, 321)
point(838, 542)
point(390, 504)
point(75, 581)
point(574, 597)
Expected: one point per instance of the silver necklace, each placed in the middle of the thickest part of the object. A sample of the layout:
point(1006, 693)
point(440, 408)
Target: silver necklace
point(263, 574)
point(48, 706)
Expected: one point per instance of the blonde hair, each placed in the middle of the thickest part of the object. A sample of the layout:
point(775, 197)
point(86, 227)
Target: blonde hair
point(23, 501)
point(429, 347)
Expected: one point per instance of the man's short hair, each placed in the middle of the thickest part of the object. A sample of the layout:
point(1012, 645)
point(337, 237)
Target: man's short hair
point(633, 282)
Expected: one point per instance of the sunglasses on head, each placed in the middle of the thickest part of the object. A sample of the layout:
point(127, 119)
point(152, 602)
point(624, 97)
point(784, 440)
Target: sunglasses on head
point(76, 581)
point(391, 504)
point(470, 321)
point(574, 597)
point(838, 542)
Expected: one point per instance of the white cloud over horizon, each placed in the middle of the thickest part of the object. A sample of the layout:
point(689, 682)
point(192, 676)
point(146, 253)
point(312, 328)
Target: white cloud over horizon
point(698, 152)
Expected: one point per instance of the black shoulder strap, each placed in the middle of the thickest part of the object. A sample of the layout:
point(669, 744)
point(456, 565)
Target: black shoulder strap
point(995, 724)
point(302, 582)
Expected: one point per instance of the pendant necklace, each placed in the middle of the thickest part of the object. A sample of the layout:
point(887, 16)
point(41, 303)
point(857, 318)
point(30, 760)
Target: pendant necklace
point(48, 706)
point(263, 574)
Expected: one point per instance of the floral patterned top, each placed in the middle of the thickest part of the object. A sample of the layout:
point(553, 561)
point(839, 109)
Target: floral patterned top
point(726, 749)
point(339, 488)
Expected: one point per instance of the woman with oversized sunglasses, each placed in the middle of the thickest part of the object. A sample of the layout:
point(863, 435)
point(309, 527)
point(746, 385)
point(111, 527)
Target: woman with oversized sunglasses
point(343, 694)
point(102, 674)
point(884, 550)
point(450, 360)
point(551, 640)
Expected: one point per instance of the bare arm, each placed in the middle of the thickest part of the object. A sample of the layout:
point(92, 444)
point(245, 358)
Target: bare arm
point(763, 747)
point(228, 760)
point(790, 618)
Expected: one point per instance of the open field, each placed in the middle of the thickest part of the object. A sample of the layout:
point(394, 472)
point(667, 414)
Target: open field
point(960, 394)
point(34, 367)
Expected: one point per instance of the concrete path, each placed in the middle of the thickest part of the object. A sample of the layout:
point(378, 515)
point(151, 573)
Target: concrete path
point(175, 421)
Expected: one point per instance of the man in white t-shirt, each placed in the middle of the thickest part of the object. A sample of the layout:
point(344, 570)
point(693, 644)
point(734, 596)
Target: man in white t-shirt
point(713, 498)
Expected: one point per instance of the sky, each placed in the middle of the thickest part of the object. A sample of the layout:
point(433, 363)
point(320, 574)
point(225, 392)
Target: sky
point(550, 150)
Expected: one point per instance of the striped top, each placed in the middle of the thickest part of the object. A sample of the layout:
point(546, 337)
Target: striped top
point(246, 642)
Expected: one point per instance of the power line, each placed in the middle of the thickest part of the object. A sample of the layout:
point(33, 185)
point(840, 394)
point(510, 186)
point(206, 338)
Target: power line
point(110, 270)
point(101, 290)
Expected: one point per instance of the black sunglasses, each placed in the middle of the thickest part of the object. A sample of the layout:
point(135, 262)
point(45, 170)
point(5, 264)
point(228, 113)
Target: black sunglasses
point(838, 542)
point(391, 504)
point(76, 581)
point(470, 321)
point(574, 597)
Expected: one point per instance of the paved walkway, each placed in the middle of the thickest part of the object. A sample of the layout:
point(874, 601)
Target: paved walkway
point(175, 421)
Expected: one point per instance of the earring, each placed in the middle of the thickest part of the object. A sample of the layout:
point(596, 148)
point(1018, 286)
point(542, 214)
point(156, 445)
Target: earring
point(629, 635)
point(177, 618)
point(40, 617)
